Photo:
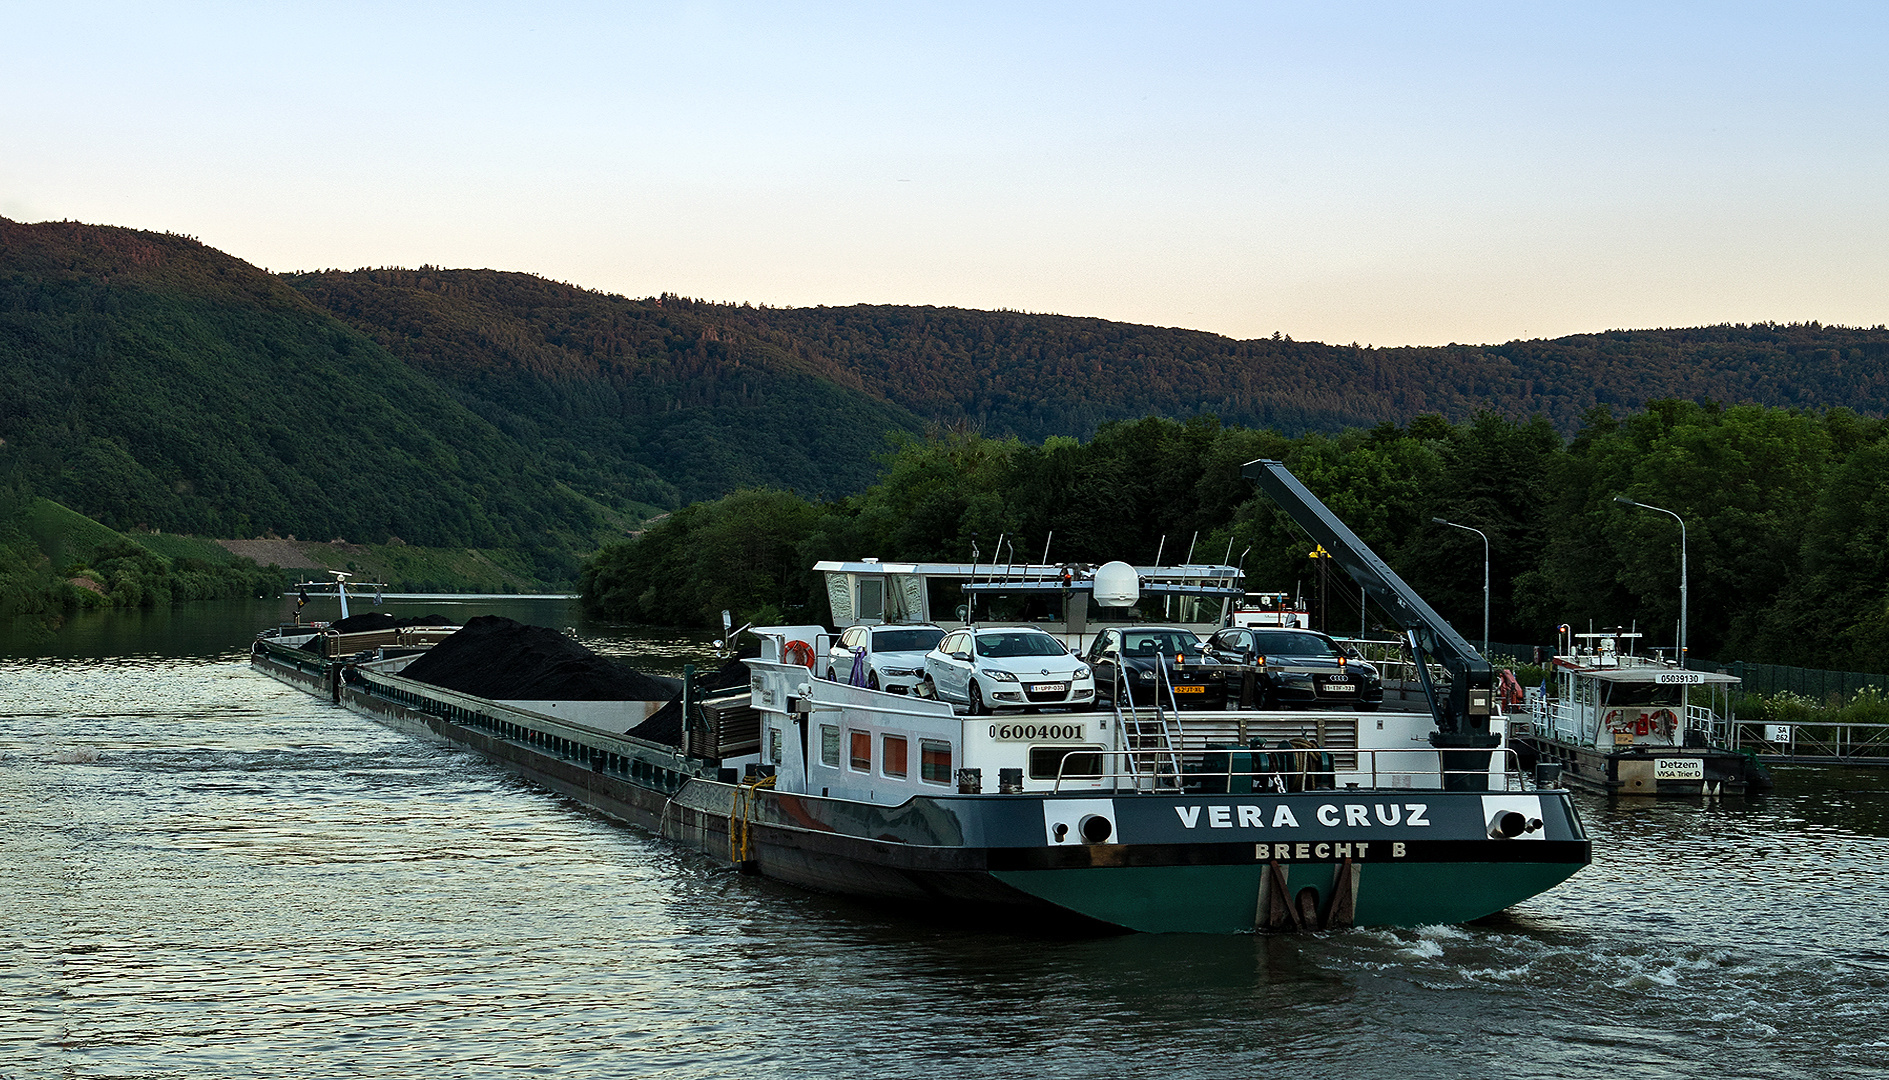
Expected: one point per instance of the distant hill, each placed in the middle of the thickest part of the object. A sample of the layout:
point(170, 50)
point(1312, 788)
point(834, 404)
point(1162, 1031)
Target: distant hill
point(531, 354)
point(1042, 375)
point(155, 384)
point(670, 401)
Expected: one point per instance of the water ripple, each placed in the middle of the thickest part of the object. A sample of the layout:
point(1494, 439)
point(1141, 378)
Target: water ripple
point(211, 875)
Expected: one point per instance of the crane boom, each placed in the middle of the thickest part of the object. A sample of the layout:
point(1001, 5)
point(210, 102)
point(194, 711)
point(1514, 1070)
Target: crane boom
point(1462, 717)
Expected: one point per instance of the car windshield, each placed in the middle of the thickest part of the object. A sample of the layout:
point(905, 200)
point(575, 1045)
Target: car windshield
point(1282, 644)
point(905, 640)
point(1021, 643)
point(1159, 642)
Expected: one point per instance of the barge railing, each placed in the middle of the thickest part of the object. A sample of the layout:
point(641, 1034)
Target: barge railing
point(1295, 770)
point(664, 767)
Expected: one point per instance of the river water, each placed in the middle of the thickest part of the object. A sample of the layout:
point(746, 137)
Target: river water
point(207, 874)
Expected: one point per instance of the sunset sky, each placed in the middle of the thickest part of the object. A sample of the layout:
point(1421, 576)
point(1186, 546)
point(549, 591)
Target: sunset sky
point(1387, 174)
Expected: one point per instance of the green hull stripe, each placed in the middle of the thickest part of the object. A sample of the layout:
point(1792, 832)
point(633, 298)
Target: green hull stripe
point(1225, 899)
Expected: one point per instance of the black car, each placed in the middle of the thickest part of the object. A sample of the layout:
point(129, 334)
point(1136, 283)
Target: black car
point(1300, 667)
point(1129, 664)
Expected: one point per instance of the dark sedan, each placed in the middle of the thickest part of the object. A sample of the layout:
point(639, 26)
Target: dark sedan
point(1134, 664)
point(1299, 668)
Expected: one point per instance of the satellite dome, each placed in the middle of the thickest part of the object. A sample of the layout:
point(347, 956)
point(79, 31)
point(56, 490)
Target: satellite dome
point(1117, 585)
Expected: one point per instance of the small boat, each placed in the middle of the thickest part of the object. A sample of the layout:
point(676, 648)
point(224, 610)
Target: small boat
point(1087, 816)
point(1622, 724)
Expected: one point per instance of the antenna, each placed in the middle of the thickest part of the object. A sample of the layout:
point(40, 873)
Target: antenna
point(1189, 561)
point(1162, 548)
point(1046, 540)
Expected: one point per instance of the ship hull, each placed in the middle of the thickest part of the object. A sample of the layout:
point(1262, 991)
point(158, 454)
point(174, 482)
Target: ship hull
point(1650, 772)
point(1171, 863)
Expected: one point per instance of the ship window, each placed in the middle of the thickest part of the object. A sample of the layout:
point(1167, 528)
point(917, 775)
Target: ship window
point(862, 751)
point(1626, 693)
point(893, 756)
point(829, 746)
point(934, 761)
point(871, 599)
point(1049, 762)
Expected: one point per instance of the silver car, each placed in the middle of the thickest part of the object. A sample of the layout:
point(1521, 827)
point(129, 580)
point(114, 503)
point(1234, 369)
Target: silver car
point(1007, 667)
point(889, 657)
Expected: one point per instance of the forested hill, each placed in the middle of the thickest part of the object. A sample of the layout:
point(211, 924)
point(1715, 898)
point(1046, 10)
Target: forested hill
point(535, 355)
point(1042, 375)
point(679, 391)
point(154, 383)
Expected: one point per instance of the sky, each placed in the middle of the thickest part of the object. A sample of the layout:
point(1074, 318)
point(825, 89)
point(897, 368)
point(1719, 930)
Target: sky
point(1387, 174)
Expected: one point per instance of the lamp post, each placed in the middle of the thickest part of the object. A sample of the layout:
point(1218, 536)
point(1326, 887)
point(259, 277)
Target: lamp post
point(1485, 578)
point(1624, 501)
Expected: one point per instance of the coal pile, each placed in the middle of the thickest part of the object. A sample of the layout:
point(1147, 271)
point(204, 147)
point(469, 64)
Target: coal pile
point(374, 620)
point(500, 658)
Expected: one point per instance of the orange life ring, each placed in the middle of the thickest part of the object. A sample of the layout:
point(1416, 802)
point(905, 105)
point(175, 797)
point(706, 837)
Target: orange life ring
point(798, 652)
point(1667, 720)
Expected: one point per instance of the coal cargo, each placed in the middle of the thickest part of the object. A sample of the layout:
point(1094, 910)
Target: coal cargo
point(506, 660)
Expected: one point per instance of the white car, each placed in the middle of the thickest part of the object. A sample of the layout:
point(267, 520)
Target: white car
point(894, 655)
point(1007, 667)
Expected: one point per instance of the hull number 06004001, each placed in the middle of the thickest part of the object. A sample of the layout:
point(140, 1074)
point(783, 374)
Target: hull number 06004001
point(1030, 732)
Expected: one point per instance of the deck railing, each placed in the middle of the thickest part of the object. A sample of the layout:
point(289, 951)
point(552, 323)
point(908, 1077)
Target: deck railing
point(1299, 769)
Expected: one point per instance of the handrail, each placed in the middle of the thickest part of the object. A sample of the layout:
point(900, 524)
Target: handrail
point(1512, 775)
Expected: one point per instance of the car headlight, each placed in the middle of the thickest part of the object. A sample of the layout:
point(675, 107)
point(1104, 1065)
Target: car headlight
point(998, 676)
point(1145, 676)
point(1296, 680)
point(1081, 672)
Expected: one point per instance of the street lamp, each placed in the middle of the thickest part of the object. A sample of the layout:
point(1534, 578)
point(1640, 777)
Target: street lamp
point(1485, 578)
point(1624, 501)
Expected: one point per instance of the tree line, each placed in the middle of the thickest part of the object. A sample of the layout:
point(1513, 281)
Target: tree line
point(1786, 513)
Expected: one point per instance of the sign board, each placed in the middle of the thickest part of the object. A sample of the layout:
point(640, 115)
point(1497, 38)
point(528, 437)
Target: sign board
point(1777, 733)
point(1679, 768)
point(1679, 678)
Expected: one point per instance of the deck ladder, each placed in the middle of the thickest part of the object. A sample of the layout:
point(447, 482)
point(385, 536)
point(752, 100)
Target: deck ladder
point(1151, 748)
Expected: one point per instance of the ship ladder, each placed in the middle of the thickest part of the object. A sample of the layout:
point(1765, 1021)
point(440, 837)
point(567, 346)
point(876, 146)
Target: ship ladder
point(741, 820)
point(1151, 759)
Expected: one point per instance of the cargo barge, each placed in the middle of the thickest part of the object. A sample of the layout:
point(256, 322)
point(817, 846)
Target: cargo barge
point(1137, 818)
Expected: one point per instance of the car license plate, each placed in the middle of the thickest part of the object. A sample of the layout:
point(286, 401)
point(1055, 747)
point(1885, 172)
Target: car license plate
point(1190, 689)
point(1340, 688)
point(1047, 688)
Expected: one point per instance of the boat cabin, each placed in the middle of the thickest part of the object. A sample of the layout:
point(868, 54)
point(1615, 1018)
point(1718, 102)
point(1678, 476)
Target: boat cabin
point(1607, 697)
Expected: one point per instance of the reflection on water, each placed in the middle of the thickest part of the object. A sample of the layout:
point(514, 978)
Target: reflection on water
point(211, 875)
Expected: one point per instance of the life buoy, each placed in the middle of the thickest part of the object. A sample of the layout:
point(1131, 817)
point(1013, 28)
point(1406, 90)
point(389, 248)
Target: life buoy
point(797, 652)
point(1667, 721)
